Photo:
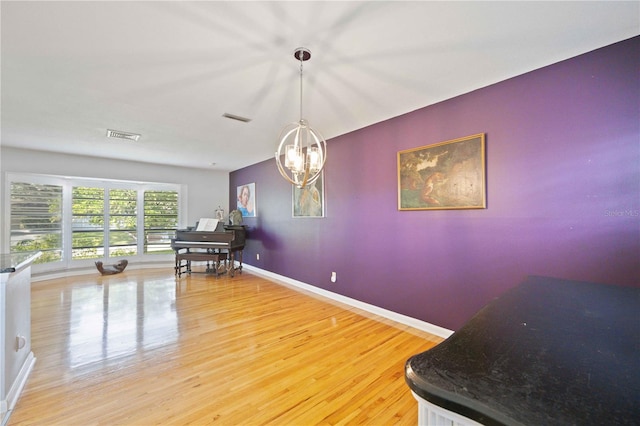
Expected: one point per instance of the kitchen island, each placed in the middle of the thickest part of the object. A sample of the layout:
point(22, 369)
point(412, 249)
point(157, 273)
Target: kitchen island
point(547, 352)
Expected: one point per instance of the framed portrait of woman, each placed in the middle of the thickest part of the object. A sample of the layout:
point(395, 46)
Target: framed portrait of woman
point(246, 197)
point(309, 201)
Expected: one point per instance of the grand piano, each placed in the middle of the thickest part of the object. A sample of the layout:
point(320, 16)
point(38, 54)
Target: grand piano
point(220, 249)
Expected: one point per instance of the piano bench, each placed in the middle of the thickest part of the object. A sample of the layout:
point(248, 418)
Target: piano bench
point(215, 258)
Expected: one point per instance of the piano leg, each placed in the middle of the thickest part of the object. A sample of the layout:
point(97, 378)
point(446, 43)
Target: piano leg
point(221, 264)
point(179, 265)
point(232, 263)
point(232, 268)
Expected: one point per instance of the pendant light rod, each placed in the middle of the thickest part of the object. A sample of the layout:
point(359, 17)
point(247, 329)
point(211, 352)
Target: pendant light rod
point(302, 54)
point(301, 89)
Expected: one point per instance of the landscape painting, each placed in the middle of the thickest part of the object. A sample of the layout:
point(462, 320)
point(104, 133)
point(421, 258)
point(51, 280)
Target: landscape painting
point(446, 175)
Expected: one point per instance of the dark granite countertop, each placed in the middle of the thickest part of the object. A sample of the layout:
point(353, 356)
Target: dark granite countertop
point(13, 262)
point(548, 351)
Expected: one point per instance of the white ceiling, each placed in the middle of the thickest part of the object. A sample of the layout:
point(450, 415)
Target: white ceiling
point(169, 70)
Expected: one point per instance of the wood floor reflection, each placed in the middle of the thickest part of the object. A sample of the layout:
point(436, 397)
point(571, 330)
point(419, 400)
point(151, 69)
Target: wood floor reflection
point(146, 348)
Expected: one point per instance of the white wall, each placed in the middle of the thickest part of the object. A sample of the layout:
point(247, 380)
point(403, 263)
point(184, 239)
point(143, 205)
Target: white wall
point(203, 190)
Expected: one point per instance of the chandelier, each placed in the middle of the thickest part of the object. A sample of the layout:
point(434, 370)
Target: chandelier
point(303, 149)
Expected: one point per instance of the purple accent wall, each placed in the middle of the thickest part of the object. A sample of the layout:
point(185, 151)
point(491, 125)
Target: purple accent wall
point(563, 196)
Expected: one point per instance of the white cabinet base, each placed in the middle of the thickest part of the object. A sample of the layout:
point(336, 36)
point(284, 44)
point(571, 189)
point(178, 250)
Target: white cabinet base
point(432, 415)
point(16, 357)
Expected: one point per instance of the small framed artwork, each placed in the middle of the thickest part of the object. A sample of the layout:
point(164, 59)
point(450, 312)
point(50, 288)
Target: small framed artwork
point(309, 201)
point(247, 200)
point(446, 175)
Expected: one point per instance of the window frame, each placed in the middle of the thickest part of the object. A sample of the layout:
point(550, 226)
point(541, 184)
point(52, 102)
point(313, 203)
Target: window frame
point(67, 183)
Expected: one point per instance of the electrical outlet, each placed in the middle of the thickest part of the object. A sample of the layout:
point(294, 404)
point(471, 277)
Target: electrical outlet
point(334, 277)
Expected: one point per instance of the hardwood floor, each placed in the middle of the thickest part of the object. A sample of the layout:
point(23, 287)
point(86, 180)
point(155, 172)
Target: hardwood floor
point(146, 348)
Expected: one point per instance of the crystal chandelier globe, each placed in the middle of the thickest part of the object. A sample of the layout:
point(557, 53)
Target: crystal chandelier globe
point(302, 151)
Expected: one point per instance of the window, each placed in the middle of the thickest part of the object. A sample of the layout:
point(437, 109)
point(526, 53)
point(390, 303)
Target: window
point(87, 223)
point(160, 220)
point(36, 220)
point(123, 218)
point(79, 220)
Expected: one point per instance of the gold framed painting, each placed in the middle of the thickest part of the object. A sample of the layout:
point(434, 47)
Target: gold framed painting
point(446, 175)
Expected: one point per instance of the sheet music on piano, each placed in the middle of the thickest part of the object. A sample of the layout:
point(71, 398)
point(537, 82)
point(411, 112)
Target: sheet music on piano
point(207, 224)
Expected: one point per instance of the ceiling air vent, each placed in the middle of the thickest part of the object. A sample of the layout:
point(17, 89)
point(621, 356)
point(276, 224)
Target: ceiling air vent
point(236, 117)
point(123, 135)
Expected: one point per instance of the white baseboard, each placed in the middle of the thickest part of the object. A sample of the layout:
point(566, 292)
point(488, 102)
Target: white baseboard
point(16, 389)
point(376, 310)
